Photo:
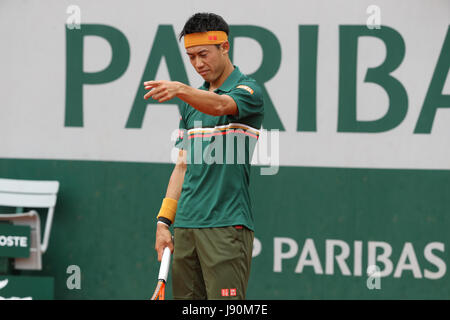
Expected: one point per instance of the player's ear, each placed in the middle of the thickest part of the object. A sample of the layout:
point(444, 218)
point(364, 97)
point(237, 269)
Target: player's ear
point(225, 47)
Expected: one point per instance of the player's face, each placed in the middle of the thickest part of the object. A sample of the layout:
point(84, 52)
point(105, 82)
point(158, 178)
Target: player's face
point(208, 60)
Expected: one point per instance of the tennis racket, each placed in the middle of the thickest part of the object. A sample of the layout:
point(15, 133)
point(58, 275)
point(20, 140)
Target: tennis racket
point(159, 293)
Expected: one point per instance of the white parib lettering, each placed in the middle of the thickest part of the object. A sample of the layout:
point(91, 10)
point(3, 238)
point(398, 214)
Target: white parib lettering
point(350, 258)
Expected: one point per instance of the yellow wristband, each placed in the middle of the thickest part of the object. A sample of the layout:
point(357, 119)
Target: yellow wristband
point(168, 209)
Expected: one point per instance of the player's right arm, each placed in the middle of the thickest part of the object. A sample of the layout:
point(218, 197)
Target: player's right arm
point(163, 234)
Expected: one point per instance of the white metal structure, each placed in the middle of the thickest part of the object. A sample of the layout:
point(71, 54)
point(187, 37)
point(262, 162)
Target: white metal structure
point(30, 194)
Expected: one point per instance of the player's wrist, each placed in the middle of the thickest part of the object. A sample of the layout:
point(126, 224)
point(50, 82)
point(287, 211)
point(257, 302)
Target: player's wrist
point(161, 221)
point(181, 90)
point(168, 211)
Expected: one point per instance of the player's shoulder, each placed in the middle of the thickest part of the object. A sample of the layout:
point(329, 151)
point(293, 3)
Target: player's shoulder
point(249, 89)
point(250, 85)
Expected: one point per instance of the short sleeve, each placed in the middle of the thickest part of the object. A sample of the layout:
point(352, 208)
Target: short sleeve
point(248, 98)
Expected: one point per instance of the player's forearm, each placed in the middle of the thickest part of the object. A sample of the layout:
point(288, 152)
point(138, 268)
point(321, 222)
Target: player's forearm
point(204, 101)
point(168, 209)
point(176, 182)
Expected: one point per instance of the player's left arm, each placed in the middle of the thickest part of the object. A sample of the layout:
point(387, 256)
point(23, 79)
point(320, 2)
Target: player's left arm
point(204, 101)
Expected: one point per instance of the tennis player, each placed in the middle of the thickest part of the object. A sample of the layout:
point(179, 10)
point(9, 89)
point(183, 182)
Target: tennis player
point(214, 226)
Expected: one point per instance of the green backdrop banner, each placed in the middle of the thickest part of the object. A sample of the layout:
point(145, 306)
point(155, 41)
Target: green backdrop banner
point(318, 230)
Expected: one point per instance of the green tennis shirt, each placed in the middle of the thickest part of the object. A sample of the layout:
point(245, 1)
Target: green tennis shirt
point(215, 190)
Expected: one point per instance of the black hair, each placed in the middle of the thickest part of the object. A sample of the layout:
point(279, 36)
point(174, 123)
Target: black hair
point(203, 22)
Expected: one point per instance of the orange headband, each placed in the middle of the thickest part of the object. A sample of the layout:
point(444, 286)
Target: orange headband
point(204, 38)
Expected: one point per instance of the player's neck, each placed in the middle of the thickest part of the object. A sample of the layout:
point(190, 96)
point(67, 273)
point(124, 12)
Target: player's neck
point(221, 79)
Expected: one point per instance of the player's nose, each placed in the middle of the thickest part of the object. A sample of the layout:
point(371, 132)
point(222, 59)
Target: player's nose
point(198, 63)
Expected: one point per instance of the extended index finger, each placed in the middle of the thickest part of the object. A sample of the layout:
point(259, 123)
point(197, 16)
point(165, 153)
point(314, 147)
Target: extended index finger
point(152, 83)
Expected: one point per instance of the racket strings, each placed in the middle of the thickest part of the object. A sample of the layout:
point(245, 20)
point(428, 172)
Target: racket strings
point(159, 293)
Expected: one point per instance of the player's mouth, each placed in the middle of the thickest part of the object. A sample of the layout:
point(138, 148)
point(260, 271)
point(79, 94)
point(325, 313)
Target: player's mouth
point(203, 73)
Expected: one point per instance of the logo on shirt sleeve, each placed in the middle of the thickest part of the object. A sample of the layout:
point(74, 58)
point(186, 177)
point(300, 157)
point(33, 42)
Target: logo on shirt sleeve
point(241, 86)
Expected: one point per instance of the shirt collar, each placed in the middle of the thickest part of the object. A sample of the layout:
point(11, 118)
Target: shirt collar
point(229, 82)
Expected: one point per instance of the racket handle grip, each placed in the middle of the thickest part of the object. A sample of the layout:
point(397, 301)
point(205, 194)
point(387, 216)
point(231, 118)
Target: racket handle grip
point(165, 262)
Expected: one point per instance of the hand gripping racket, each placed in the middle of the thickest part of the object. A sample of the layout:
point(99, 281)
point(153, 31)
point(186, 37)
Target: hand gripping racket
point(162, 276)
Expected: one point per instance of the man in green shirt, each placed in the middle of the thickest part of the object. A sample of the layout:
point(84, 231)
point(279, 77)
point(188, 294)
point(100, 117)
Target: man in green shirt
point(208, 190)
